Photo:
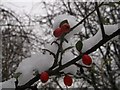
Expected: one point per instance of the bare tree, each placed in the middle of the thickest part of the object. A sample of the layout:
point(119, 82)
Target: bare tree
point(15, 41)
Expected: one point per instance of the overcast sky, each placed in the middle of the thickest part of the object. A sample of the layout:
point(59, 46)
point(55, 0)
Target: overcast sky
point(22, 7)
point(30, 7)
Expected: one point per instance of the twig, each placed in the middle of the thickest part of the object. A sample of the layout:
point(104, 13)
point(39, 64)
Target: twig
point(51, 53)
point(58, 84)
point(85, 18)
point(100, 20)
point(79, 65)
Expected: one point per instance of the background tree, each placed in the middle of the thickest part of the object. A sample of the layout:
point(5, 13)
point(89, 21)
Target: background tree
point(16, 42)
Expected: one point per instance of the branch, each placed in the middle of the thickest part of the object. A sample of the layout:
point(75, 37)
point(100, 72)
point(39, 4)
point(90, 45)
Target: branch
point(79, 65)
point(57, 70)
point(100, 20)
point(85, 17)
point(51, 53)
point(103, 41)
point(28, 84)
point(58, 84)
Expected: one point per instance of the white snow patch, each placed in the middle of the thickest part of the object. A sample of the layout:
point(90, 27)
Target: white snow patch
point(53, 48)
point(9, 83)
point(90, 42)
point(39, 61)
point(109, 29)
point(66, 58)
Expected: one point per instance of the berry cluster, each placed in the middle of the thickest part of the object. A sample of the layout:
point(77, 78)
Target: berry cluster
point(63, 28)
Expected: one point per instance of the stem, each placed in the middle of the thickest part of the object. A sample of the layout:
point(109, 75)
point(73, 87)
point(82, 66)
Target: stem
point(57, 54)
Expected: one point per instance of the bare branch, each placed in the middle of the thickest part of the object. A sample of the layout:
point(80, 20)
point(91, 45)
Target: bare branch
point(85, 18)
point(100, 20)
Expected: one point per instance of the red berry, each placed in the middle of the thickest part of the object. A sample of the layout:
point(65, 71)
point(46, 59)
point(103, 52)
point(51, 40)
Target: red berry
point(57, 32)
point(86, 59)
point(68, 80)
point(65, 28)
point(44, 77)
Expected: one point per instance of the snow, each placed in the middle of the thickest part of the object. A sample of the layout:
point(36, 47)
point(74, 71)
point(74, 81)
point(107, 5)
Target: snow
point(66, 58)
point(92, 41)
point(39, 61)
point(71, 20)
point(9, 84)
point(109, 29)
point(42, 62)
point(52, 47)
